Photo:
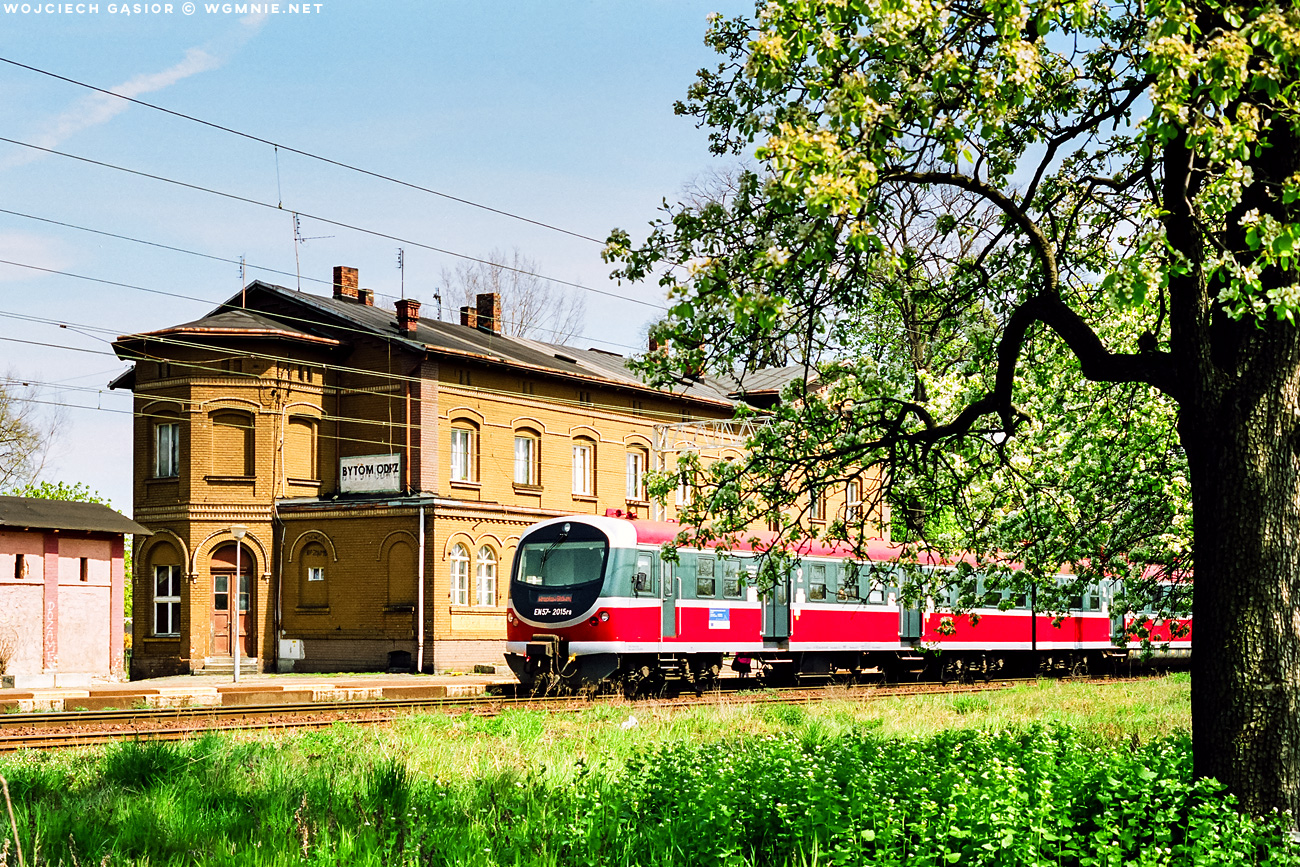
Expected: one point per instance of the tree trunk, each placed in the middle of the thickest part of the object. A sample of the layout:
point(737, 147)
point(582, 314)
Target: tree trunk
point(1241, 449)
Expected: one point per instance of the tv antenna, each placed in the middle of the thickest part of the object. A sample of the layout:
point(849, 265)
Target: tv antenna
point(401, 267)
point(299, 239)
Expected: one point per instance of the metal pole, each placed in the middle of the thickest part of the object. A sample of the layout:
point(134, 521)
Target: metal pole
point(238, 532)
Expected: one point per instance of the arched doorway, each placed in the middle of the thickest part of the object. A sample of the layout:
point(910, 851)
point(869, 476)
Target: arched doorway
point(225, 597)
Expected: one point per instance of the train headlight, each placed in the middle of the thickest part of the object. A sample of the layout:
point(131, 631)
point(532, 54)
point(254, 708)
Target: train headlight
point(604, 617)
point(510, 617)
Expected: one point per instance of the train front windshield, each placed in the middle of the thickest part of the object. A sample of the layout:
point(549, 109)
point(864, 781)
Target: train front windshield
point(559, 570)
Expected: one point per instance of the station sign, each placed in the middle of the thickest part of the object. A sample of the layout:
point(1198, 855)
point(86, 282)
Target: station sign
point(364, 474)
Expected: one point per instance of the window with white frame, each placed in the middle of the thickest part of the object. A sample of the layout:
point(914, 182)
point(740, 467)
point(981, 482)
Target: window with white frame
point(816, 503)
point(527, 458)
point(462, 453)
point(485, 577)
point(636, 466)
point(167, 450)
point(853, 500)
point(584, 458)
point(167, 600)
point(459, 575)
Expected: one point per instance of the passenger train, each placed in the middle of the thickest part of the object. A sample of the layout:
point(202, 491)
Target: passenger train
point(592, 601)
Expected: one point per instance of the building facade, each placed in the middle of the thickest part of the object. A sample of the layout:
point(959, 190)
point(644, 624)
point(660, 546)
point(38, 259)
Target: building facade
point(62, 581)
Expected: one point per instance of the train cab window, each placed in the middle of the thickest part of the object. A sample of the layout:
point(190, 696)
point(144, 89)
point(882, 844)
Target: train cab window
point(849, 581)
point(731, 579)
point(817, 582)
point(705, 583)
point(643, 579)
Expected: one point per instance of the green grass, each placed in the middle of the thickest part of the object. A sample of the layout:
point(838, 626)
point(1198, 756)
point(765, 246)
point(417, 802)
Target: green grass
point(1060, 774)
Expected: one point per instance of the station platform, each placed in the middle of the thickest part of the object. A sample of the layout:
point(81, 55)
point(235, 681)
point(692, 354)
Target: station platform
point(252, 689)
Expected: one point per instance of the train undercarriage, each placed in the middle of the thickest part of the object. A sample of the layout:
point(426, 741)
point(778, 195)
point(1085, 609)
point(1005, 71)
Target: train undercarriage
point(548, 668)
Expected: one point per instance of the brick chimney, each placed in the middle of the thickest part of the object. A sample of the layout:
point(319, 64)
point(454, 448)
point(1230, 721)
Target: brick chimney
point(469, 316)
point(345, 282)
point(366, 297)
point(489, 312)
point(408, 315)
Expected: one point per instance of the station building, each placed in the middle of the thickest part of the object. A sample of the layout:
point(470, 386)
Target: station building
point(336, 485)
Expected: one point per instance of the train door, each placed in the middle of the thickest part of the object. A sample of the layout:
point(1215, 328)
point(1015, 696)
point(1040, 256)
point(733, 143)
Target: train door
point(669, 589)
point(776, 609)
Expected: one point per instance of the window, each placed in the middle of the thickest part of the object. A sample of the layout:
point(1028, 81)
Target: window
point(459, 575)
point(731, 579)
point(315, 573)
point(166, 450)
point(166, 600)
point(463, 457)
point(84, 572)
point(584, 458)
point(817, 582)
point(817, 504)
point(636, 464)
point(300, 459)
point(704, 581)
point(853, 500)
point(232, 444)
point(527, 458)
point(849, 580)
point(485, 578)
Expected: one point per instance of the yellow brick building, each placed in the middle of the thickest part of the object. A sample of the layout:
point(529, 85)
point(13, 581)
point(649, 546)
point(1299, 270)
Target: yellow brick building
point(378, 467)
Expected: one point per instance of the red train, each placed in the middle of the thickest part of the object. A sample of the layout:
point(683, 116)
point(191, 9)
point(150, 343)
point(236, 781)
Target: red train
point(592, 601)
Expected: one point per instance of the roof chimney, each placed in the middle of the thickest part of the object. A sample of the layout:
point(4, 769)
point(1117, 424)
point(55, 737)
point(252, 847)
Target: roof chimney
point(408, 315)
point(489, 312)
point(366, 297)
point(345, 282)
point(469, 316)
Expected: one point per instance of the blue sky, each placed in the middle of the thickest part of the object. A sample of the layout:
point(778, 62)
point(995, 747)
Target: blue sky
point(558, 111)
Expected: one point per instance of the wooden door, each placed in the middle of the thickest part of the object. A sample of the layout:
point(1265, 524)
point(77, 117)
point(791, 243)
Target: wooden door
point(224, 599)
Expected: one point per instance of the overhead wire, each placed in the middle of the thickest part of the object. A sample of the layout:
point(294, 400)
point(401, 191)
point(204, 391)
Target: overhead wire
point(206, 301)
point(283, 147)
point(326, 220)
point(382, 376)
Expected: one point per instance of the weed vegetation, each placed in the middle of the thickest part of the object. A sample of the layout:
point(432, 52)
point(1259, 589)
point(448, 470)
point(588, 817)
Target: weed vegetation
point(1054, 774)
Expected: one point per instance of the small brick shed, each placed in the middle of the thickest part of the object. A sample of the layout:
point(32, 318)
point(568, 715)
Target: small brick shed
point(62, 576)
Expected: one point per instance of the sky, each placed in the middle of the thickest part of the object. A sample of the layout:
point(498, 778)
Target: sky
point(558, 112)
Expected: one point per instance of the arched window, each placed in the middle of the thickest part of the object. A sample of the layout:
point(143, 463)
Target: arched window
point(528, 458)
point(485, 577)
point(232, 443)
point(166, 563)
point(464, 451)
point(459, 575)
point(167, 448)
point(637, 461)
point(584, 468)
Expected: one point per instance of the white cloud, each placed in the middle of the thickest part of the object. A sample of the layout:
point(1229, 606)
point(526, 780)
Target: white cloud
point(99, 108)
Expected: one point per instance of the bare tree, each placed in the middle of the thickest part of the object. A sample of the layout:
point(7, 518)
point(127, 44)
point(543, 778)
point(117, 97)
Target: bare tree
point(25, 434)
point(531, 306)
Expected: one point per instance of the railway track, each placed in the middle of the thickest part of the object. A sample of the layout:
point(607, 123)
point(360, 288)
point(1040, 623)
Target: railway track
point(56, 730)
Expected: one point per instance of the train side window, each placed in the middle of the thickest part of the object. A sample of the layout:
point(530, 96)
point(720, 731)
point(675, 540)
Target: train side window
point(849, 580)
point(643, 580)
point(704, 581)
point(817, 582)
point(1092, 599)
point(731, 579)
point(877, 595)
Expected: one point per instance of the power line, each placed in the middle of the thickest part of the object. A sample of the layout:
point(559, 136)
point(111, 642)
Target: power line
point(205, 301)
point(340, 224)
point(303, 153)
point(337, 368)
